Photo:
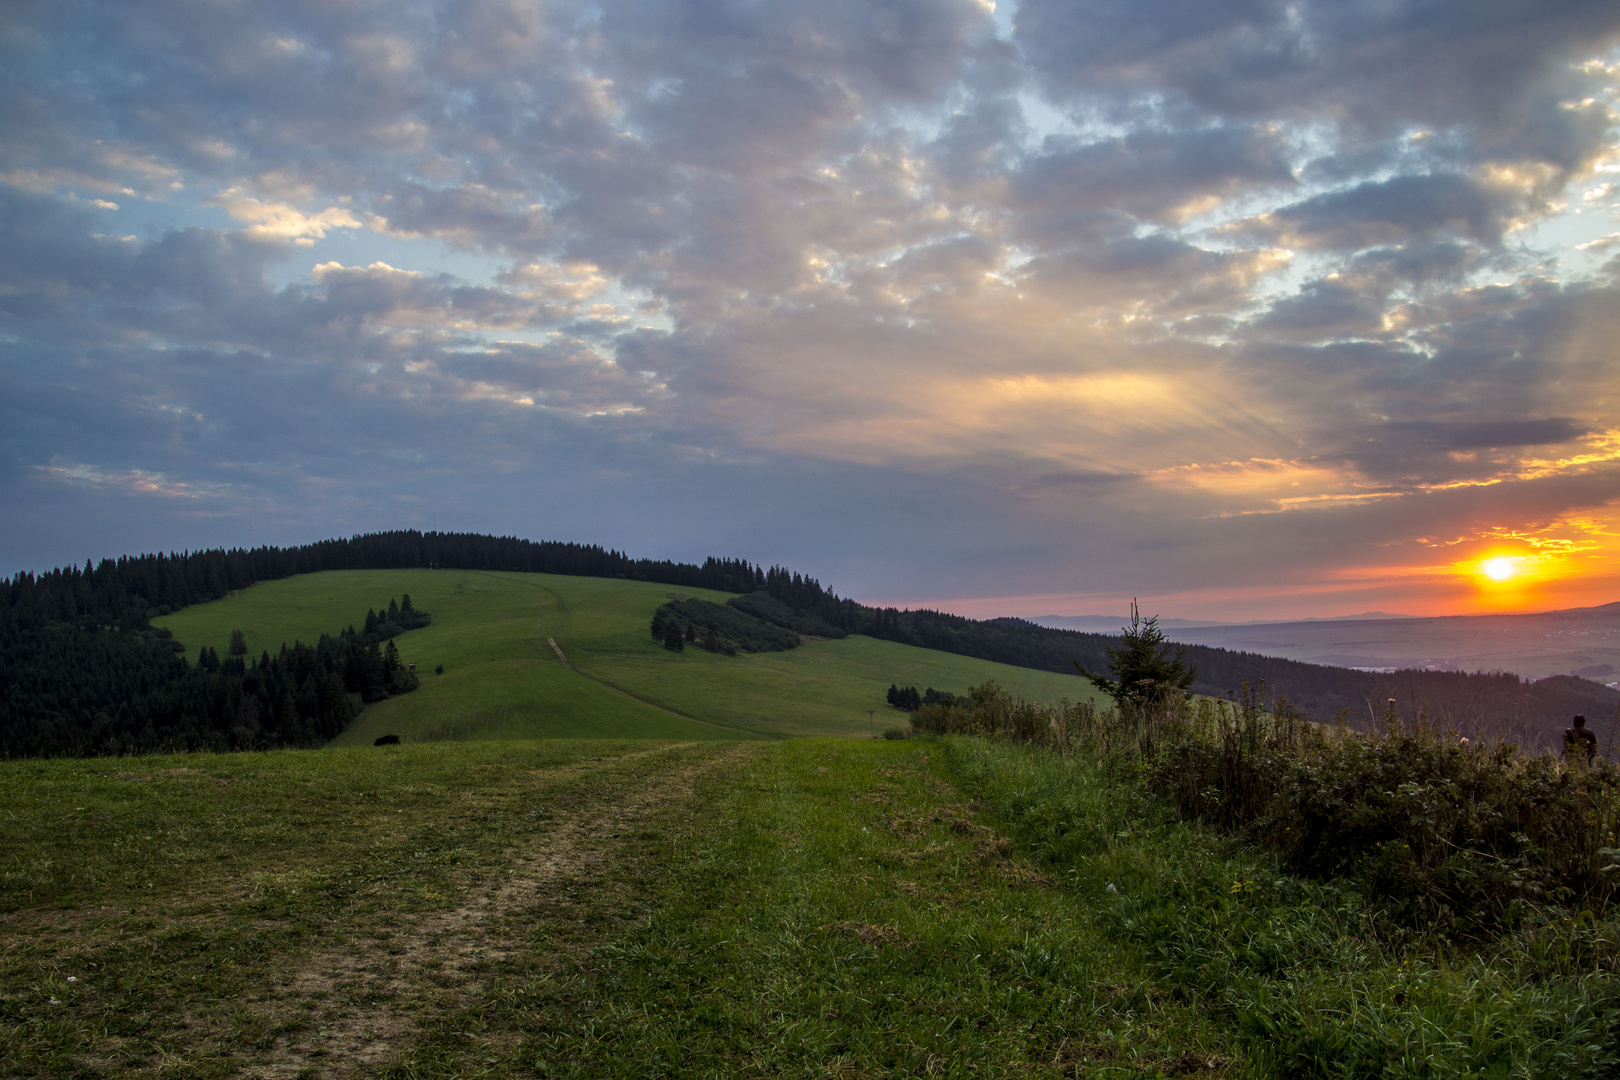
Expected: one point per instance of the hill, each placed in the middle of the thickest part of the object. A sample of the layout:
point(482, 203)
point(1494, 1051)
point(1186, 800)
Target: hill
point(606, 676)
point(49, 619)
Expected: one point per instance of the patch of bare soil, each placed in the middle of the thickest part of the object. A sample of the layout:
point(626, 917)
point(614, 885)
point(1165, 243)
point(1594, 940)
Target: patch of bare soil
point(348, 1012)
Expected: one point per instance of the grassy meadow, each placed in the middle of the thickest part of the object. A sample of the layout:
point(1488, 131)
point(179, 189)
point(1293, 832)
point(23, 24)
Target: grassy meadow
point(502, 679)
point(805, 908)
point(699, 895)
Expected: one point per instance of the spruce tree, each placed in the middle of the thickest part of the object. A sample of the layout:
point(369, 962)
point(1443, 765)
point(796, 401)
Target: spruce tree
point(1145, 671)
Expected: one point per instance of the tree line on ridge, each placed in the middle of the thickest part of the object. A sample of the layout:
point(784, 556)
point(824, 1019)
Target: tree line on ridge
point(123, 594)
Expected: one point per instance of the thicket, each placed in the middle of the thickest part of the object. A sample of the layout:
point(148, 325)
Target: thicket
point(82, 691)
point(910, 699)
point(1435, 830)
point(717, 628)
point(762, 605)
point(1312, 980)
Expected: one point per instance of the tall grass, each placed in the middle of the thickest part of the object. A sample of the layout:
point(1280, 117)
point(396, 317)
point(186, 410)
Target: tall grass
point(1437, 831)
point(1308, 976)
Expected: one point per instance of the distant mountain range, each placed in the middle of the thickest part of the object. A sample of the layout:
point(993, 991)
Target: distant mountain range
point(1112, 624)
point(1577, 641)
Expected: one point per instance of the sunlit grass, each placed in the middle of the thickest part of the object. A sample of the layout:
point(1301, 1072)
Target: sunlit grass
point(502, 679)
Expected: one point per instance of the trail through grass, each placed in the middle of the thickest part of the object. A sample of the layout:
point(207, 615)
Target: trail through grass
point(845, 912)
point(806, 908)
point(304, 913)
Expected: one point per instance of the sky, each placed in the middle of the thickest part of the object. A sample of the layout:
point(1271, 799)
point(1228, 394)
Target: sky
point(1243, 308)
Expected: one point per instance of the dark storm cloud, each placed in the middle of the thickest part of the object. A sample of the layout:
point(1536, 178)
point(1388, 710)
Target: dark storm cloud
point(1479, 435)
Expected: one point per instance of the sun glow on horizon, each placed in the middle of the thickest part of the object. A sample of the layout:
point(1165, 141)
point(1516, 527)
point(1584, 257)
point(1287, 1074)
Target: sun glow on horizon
point(1499, 569)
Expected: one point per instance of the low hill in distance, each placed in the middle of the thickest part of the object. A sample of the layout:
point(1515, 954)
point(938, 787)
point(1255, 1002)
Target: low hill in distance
point(605, 678)
point(1584, 642)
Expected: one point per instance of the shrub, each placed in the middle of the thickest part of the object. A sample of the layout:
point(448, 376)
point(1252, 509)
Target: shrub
point(1432, 829)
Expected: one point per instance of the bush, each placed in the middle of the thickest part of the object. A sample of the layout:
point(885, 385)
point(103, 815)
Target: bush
point(1432, 829)
point(1436, 829)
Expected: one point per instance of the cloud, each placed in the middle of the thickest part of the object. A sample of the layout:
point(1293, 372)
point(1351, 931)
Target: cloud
point(1160, 176)
point(280, 221)
point(1379, 212)
point(1509, 79)
point(130, 481)
point(1305, 279)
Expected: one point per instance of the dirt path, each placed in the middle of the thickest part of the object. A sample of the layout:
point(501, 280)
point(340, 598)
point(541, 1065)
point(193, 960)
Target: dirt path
point(357, 1008)
point(558, 650)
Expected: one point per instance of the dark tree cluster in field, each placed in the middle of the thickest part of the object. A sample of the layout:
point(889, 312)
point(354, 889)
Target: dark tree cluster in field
point(398, 617)
point(717, 628)
point(910, 699)
point(71, 690)
point(762, 605)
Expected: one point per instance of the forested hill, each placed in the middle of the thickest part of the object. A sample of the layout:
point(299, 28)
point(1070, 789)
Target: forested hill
point(133, 588)
point(126, 592)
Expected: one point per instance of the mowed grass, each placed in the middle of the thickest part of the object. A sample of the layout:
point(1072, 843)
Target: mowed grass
point(192, 915)
point(503, 680)
point(803, 908)
point(849, 913)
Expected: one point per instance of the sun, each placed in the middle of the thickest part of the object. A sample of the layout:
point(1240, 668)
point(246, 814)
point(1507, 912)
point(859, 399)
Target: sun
point(1499, 569)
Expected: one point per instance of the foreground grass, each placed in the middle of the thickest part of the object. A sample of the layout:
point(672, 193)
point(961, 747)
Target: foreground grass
point(1306, 980)
point(805, 908)
point(503, 680)
point(202, 915)
point(844, 912)
point(847, 912)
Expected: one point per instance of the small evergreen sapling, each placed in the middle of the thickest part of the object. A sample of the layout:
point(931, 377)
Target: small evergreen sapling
point(1145, 671)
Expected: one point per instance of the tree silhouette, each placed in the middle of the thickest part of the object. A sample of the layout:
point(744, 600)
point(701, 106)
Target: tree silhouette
point(1145, 671)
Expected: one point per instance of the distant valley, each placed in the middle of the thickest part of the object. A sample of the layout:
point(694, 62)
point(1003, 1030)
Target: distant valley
point(1577, 641)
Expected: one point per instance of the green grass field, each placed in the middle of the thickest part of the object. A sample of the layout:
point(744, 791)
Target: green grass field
point(503, 681)
point(808, 908)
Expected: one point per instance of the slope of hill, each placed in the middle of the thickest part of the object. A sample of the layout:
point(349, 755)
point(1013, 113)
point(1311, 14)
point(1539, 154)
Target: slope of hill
point(606, 676)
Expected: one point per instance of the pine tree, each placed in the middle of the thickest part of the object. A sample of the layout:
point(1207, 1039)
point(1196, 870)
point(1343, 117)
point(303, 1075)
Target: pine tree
point(1144, 670)
point(238, 643)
